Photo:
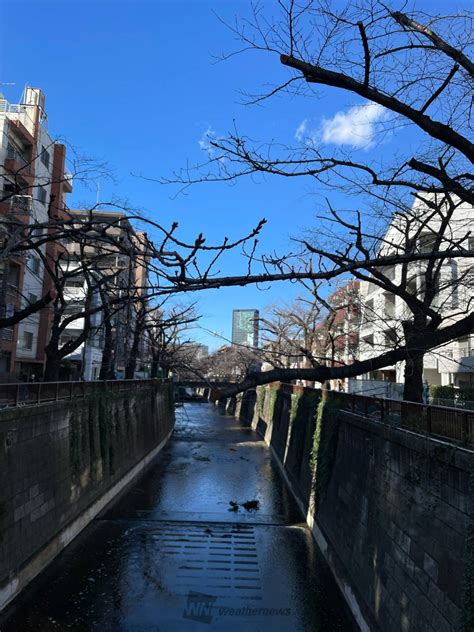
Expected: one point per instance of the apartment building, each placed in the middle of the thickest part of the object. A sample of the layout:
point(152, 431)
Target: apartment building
point(342, 323)
point(383, 312)
point(332, 339)
point(113, 259)
point(34, 186)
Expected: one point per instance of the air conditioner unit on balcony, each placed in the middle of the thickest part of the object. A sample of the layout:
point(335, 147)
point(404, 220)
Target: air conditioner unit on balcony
point(21, 203)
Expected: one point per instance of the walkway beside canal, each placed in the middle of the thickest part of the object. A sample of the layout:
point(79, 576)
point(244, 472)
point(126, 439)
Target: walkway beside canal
point(172, 554)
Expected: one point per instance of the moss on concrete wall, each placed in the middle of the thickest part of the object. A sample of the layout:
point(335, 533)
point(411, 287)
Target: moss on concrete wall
point(393, 510)
point(323, 451)
point(57, 459)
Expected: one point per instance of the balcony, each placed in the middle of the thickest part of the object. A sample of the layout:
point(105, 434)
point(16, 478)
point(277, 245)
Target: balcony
point(462, 362)
point(17, 164)
point(20, 119)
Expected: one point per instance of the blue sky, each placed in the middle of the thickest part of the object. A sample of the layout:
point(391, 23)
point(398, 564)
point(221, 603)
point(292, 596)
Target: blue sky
point(136, 84)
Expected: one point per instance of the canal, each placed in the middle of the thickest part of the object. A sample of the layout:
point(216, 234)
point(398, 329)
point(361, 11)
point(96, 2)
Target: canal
point(209, 538)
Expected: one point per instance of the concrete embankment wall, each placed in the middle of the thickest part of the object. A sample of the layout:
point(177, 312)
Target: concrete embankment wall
point(62, 462)
point(391, 510)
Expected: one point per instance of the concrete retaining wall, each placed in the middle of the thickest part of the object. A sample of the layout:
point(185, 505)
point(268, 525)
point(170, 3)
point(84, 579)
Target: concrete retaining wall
point(63, 462)
point(391, 510)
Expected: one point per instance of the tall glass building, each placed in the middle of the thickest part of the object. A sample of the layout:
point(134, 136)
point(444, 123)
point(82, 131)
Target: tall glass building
point(245, 327)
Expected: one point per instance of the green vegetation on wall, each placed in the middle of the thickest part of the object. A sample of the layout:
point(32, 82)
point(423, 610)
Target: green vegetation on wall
point(295, 400)
point(271, 402)
point(260, 404)
point(100, 425)
point(324, 447)
point(308, 403)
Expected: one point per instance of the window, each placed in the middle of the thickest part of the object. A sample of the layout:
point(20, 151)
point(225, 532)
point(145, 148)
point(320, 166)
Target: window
point(35, 264)
point(68, 337)
point(11, 187)
point(391, 338)
point(390, 305)
point(389, 272)
point(454, 285)
point(72, 309)
point(75, 282)
point(45, 157)
point(369, 311)
point(42, 195)
point(15, 153)
point(32, 298)
point(7, 310)
point(13, 278)
point(464, 346)
point(426, 242)
point(368, 340)
point(411, 286)
point(27, 340)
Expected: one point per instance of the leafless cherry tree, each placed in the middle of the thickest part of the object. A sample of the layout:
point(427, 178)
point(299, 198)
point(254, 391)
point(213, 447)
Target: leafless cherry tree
point(414, 69)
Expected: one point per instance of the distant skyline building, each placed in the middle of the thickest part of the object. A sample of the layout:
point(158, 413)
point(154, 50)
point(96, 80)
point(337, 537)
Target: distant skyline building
point(245, 327)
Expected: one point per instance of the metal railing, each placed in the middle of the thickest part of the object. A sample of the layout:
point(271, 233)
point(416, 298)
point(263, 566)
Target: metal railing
point(452, 403)
point(16, 108)
point(443, 422)
point(29, 393)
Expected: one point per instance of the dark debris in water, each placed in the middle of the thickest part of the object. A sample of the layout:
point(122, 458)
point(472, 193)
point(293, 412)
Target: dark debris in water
point(249, 505)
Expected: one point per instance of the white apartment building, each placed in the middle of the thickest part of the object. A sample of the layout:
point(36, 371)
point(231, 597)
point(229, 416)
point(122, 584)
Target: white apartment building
point(85, 362)
point(383, 312)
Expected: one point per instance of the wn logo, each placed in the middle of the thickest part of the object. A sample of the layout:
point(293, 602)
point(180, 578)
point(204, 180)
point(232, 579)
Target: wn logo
point(199, 607)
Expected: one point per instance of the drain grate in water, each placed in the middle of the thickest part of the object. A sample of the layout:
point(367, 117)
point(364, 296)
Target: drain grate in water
point(211, 557)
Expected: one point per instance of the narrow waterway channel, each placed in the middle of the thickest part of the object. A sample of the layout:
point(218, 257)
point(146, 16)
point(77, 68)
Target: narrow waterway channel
point(174, 554)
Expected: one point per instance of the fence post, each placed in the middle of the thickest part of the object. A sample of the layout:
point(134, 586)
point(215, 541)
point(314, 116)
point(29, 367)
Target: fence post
point(428, 419)
point(57, 391)
point(17, 394)
point(38, 395)
point(464, 428)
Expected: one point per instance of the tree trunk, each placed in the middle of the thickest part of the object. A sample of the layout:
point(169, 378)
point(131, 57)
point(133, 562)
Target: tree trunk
point(413, 374)
point(413, 378)
point(51, 370)
point(53, 357)
point(155, 366)
point(133, 355)
point(107, 367)
point(131, 366)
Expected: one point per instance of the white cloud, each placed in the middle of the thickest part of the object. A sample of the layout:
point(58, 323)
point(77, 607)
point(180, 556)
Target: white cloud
point(356, 127)
point(204, 141)
point(301, 130)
